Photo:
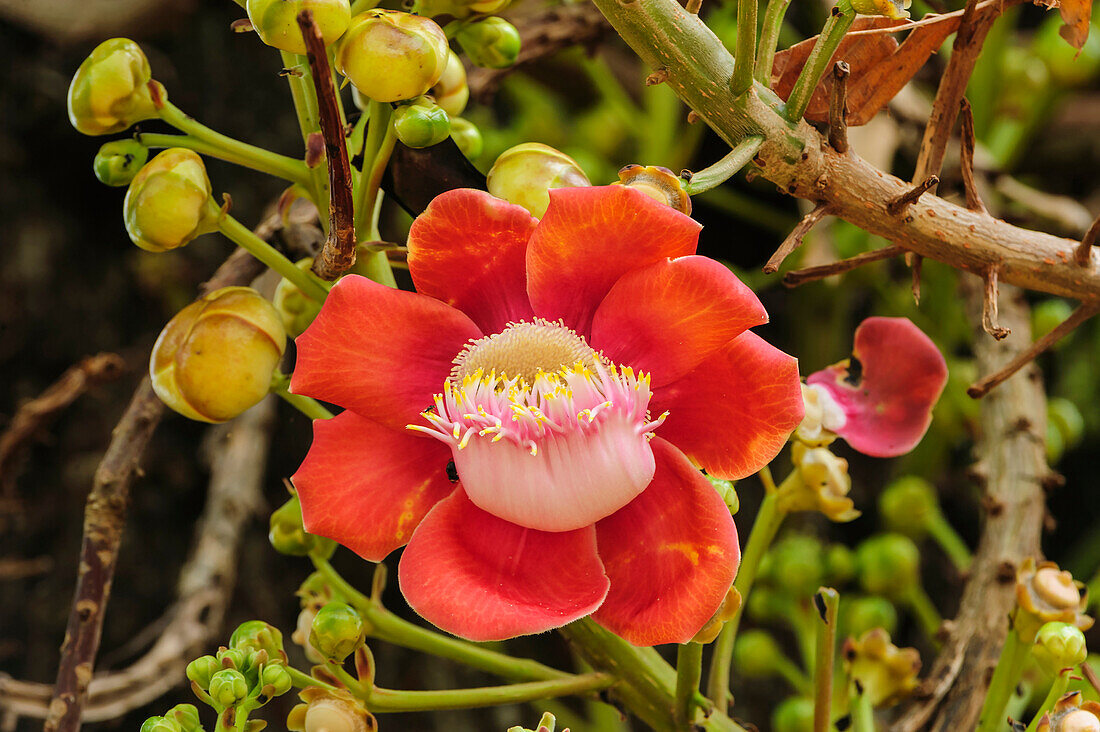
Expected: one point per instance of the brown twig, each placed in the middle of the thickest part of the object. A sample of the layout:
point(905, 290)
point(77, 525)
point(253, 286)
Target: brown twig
point(34, 415)
point(966, 158)
point(1083, 312)
point(838, 108)
point(794, 239)
point(797, 277)
point(1090, 676)
point(989, 306)
point(897, 205)
point(694, 6)
point(338, 254)
point(1083, 253)
point(11, 569)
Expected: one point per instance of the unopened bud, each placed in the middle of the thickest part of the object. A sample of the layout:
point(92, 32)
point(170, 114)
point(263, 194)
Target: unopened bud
point(755, 653)
point(467, 136)
point(276, 21)
point(288, 535)
point(113, 89)
point(391, 56)
point(233, 658)
point(296, 308)
point(840, 565)
point(422, 123)
point(160, 724)
point(301, 634)
point(822, 416)
point(166, 204)
point(660, 184)
point(886, 673)
point(228, 687)
point(452, 90)
point(824, 484)
point(215, 358)
point(889, 565)
point(119, 161)
point(201, 669)
point(491, 43)
point(337, 631)
point(275, 680)
point(728, 492)
point(187, 716)
point(861, 614)
point(256, 635)
point(1059, 646)
point(909, 506)
point(524, 175)
point(794, 714)
point(796, 563)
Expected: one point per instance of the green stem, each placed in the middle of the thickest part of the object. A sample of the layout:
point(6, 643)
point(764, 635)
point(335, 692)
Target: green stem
point(388, 700)
point(280, 385)
point(926, 613)
point(718, 173)
point(247, 156)
point(305, 107)
point(301, 679)
point(827, 43)
point(1057, 689)
point(863, 713)
point(793, 675)
point(376, 154)
point(1009, 667)
point(689, 669)
point(769, 40)
point(350, 683)
point(826, 601)
point(261, 250)
point(745, 54)
point(952, 544)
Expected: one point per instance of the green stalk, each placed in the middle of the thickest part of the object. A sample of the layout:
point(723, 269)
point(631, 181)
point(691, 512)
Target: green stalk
point(944, 534)
point(376, 154)
point(927, 615)
point(388, 700)
point(689, 669)
point(1057, 689)
point(305, 107)
point(863, 713)
point(718, 173)
point(826, 601)
point(827, 43)
point(793, 675)
point(1009, 667)
point(745, 54)
point(247, 156)
point(301, 679)
point(769, 40)
point(280, 385)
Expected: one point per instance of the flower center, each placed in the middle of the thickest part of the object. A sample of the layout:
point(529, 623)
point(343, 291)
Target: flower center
point(522, 350)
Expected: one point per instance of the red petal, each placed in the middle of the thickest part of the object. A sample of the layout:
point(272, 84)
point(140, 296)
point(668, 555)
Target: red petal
point(666, 318)
point(469, 250)
point(379, 351)
point(733, 413)
point(368, 486)
point(589, 238)
point(902, 375)
point(483, 578)
point(671, 555)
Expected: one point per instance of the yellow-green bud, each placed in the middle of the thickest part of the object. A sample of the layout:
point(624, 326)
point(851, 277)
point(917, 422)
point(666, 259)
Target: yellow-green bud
point(524, 175)
point(256, 635)
point(755, 653)
point(492, 42)
point(767, 604)
point(276, 21)
point(201, 669)
point(728, 492)
point(894, 9)
point(337, 631)
point(461, 9)
point(467, 136)
point(296, 308)
point(113, 89)
point(794, 714)
point(908, 506)
point(421, 124)
point(233, 658)
point(288, 536)
point(187, 715)
point(119, 161)
point(861, 614)
point(1067, 418)
point(215, 359)
point(889, 565)
point(796, 564)
point(1059, 645)
point(160, 724)
point(228, 687)
point(840, 565)
point(166, 204)
point(452, 91)
point(275, 680)
point(391, 56)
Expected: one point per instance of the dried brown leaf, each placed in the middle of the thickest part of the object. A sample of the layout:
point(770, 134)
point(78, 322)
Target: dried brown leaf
point(1075, 15)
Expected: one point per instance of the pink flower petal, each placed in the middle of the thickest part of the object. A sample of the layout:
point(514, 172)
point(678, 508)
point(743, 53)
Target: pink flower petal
point(666, 318)
point(734, 412)
point(589, 238)
point(671, 555)
point(469, 250)
point(888, 388)
point(368, 486)
point(379, 351)
point(483, 578)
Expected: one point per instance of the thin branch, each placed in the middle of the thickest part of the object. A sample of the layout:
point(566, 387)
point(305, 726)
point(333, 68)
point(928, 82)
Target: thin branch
point(966, 159)
point(1083, 312)
point(794, 239)
point(797, 277)
point(838, 108)
point(915, 267)
point(989, 307)
point(1083, 253)
point(694, 6)
point(338, 254)
point(897, 205)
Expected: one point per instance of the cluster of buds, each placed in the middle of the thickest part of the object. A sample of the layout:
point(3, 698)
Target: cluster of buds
point(252, 669)
point(823, 486)
point(168, 202)
point(1070, 714)
point(324, 710)
point(884, 672)
point(1045, 594)
point(525, 174)
point(113, 89)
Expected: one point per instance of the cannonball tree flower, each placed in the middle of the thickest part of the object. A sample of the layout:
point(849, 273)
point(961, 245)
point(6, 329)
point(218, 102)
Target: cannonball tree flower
point(532, 420)
point(880, 399)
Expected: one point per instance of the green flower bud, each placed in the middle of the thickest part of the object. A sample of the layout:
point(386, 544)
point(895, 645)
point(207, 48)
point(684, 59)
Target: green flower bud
point(794, 714)
point(524, 175)
point(1058, 646)
point(390, 56)
point(894, 9)
point(236, 657)
point(215, 358)
point(302, 629)
point(160, 724)
point(288, 536)
point(337, 631)
point(461, 9)
point(467, 136)
point(166, 204)
point(118, 162)
point(276, 21)
point(421, 124)
point(908, 506)
point(256, 635)
point(113, 89)
point(491, 43)
point(201, 669)
point(754, 654)
point(861, 614)
point(728, 493)
point(840, 565)
point(1067, 419)
point(889, 565)
point(767, 604)
point(296, 308)
point(1055, 443)
point(228, 687)
point(452, 91)
point(275, 680)
point(187, 716)
point(797, 564)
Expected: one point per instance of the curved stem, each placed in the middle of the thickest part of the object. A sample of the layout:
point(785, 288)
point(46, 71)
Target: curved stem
point(280, 385)
point(247, 156)
point(944, 534)
point(927, 615)
point(721, 171)
point(1009, 667)
point(689, 669)
point(827, 43)
point(376, 153)
point(769, 39)
point(1057, 689)
point(388, 700)
point(793, 675)
point(301, 679)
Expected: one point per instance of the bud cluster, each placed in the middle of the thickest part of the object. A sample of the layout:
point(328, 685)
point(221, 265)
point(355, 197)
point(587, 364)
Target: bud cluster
point(251, 669)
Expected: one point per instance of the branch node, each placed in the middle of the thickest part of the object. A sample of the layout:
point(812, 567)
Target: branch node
point(838, 108)
point(1083, 253)
point(989, 306)
point(659, 76)
point(966, 158)
point(898, 205)
point(794, 239)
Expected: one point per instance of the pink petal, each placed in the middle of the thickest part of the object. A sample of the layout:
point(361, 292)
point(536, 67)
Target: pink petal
point(589, 238)
point(899, 377)
point(671, 555)
point(368, 486)
point(483, 578)
point(733, 413)
point(666, 318)
point(469, 250)
point(379, 351)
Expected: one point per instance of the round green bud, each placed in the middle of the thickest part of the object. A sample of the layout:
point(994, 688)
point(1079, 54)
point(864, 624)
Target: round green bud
point(215, 358)
point(237, 658)
point(187, 716)
point(391, 56)
point(1067, 65)
point(467, 136)
point(908, 506)
point(296, 308)
point(119, 161)
point(288, 536)
point(1055, 444)
point(201, 669)
point(160, 724)
point(275, 680)
point(728, 492)
point(276, 21)
point(1067, 418)
point(452, 90)
point(889, 565)
point(113, 89)
point(860, 614)
point(228, 687)
point(767, 604)
point(524, 175)
point(797, 564)
point(166, 203)
point(794, 714)
point(491, 43)
point(461, 9)
point(421, 124)
point(1058, 646)
point(754, 654)
point(337, 630)
point(1050, 313)
point(256, 635)
point(840, 565)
